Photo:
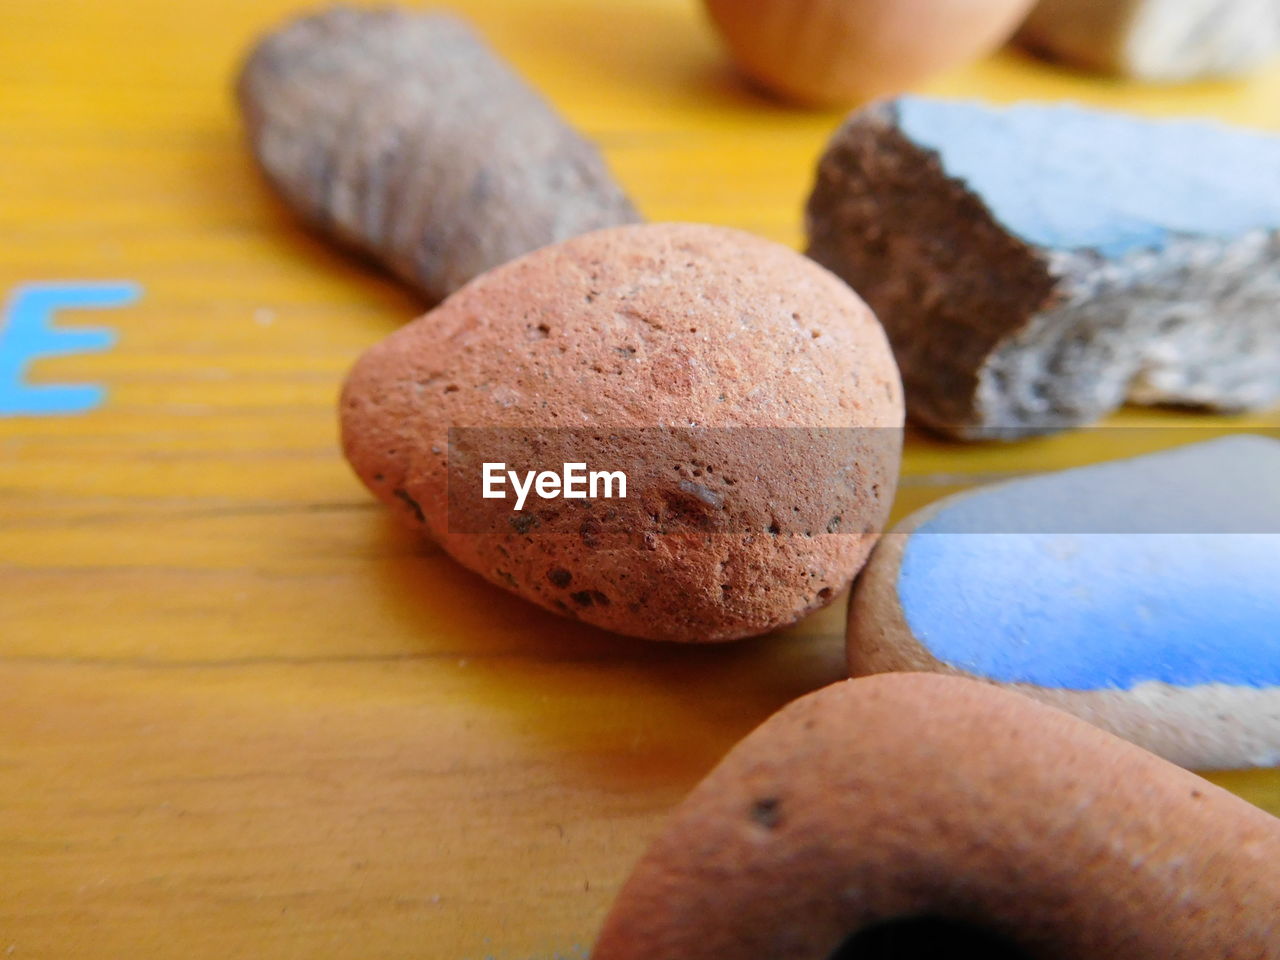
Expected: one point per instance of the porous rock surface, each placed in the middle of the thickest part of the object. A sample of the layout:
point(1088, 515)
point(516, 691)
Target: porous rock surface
point(749, 395)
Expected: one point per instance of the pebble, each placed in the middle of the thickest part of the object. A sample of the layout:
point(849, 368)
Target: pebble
point(748, 395)
point(941, 812)
point(1138, 594)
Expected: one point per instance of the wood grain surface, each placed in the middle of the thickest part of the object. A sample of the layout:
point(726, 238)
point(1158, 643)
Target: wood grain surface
point(241, 714)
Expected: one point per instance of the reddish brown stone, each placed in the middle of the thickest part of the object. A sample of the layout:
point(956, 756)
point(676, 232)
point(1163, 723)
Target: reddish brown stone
point(924, 796)
point(731, 341)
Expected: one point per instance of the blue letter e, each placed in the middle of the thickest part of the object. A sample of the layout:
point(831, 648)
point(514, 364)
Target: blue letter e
point(29, 333)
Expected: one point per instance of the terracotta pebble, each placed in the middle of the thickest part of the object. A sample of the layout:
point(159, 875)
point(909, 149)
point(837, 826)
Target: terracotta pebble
point(923, 804)
point(854, 51)
point(748, 394)
point(1138, 594)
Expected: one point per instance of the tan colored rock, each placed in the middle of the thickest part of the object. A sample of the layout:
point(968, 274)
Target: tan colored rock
point(749, 396)
point(1157, 40)
point(957, 809)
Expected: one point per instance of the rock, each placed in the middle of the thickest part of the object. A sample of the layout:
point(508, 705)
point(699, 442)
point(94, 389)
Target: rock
point(853, 51)
point(403, 135)
point(949, 814)
point(749, 397)
point(1037, 266)
point(1158, 40)
point(1138, 594)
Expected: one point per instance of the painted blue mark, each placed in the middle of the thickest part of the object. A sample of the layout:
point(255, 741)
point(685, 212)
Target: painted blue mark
point(29, 333)
point(1109, 576)
point(1064, 177)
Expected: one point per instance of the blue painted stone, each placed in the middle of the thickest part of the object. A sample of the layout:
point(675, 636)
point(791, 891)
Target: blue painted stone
point(1064, 177)
point(1163, 568)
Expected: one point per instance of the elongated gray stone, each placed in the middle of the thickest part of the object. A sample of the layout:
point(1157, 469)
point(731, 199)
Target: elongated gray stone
point(402, 135)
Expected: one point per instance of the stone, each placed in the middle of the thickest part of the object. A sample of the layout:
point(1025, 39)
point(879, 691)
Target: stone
point(1141, 595)
point(748, 396)
point(402, 135)
point(1162, 41)
point(950, 813)
point(1037, 266)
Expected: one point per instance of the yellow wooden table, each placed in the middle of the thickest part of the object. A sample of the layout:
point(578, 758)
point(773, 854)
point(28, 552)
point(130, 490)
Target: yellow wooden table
point(242, 714)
